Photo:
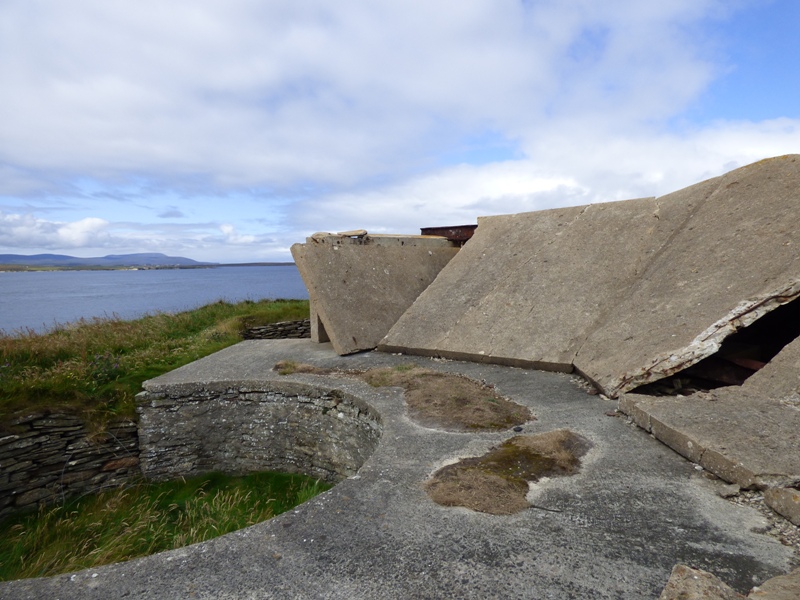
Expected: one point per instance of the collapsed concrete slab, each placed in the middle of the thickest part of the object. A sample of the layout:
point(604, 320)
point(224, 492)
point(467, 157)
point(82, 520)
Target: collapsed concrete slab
point(748, 435)
point(736, 258)
point(360, 284)
point(626, 292)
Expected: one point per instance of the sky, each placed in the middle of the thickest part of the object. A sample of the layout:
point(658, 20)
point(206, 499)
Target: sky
point(228, 131)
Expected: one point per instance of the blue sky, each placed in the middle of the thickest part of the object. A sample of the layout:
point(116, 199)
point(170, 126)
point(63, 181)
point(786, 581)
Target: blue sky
point(227, 131)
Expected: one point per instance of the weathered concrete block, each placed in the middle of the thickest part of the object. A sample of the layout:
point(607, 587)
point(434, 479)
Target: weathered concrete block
point(685, 583)
point(783, 587)
point(732, 260)
point(359, 286)
point(527, 289)
point(742, 437)
point(784, 501)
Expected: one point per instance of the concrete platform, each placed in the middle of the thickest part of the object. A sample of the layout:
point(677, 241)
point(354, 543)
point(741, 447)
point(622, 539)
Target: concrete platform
point(748, 435)
point(614, 530)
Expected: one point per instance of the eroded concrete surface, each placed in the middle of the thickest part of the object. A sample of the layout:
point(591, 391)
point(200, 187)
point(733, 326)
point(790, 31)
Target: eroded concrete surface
point(613, 530)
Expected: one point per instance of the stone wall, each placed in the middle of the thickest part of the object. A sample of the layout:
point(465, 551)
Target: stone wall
point(190, 429)
point(53, 456)
point(279, 331)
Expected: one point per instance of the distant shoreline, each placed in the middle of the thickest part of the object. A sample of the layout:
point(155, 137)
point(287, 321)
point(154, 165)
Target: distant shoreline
point(36, 268)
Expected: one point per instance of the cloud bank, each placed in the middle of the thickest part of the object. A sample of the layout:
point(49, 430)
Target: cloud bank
point(245, 125)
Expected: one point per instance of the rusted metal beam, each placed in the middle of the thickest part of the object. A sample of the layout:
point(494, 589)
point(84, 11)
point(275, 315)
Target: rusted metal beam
point(457, 233)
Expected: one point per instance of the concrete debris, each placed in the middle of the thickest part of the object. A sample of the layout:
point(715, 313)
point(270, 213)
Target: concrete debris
point(783, 587)
point(784, 501)
point(357, 233)
point(686, 583)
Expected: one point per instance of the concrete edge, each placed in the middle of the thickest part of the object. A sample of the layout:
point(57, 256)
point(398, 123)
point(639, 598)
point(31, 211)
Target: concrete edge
point(478, 358)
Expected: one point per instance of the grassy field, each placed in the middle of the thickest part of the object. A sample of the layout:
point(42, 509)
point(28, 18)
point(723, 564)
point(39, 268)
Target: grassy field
point(127, 523)
point(95, 368)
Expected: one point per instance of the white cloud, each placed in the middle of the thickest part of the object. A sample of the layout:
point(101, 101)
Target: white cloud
point(232, 237)
point(255, 93)
point(565, 167)
point(25, 231)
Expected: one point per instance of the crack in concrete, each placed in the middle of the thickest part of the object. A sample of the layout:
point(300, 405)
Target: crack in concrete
point(707, 342)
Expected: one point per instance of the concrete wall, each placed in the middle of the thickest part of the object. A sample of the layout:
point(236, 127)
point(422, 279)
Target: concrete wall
point(190, 429)
point(358, 286)
point(52, 456)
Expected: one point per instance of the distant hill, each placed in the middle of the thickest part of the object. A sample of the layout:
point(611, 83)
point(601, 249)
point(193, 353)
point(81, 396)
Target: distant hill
point(143, 259)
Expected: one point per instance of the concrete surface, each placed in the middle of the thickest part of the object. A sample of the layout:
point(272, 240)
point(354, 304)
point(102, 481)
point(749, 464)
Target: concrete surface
point(495, 301)
point(360, 284)
point(615, 530)
point(626, 292)
point(735, 258)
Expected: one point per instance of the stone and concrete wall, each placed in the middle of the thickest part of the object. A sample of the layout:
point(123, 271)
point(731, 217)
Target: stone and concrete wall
point(46, 457)
point(52, 456)
point(359, 285)
point(241, 427)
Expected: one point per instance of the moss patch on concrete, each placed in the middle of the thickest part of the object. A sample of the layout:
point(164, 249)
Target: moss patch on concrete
point(497, 482)
point(441, 400)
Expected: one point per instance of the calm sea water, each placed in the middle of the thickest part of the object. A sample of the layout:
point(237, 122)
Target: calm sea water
point(41, 300)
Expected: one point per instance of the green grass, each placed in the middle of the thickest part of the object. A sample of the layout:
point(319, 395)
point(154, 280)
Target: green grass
point(126, 523)
point(96, 367)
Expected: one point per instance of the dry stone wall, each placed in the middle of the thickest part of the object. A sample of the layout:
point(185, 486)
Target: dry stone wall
point(279, 331)
point(48, 457)
point(190, 429)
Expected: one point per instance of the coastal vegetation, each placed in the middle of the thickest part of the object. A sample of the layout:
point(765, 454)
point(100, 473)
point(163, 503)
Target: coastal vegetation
point(96, 367)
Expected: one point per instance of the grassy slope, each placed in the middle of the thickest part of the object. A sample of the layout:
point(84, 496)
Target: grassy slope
point(95, 368)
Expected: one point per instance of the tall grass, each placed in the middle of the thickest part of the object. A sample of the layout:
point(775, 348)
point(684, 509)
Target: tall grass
point(128, 523)
point(96, 367)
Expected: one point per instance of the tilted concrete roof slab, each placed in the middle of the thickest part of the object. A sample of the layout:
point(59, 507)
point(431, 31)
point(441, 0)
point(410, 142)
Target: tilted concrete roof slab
point(735, 259)
point(627, 292)
point(360, 285)
point(528, 288)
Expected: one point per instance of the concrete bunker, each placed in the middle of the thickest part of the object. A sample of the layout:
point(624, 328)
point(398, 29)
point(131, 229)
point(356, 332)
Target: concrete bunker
point(239, 428)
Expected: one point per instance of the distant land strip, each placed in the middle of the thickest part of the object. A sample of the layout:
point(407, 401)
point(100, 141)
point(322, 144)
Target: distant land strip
point(141, 261)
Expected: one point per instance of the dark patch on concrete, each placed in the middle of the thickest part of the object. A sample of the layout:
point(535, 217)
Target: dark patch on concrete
point(497, 482)
point(441, 400)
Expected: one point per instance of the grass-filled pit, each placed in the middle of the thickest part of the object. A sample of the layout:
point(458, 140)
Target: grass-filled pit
point(143, 519)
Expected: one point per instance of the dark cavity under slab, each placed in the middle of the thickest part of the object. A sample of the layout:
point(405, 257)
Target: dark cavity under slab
point(740, 355)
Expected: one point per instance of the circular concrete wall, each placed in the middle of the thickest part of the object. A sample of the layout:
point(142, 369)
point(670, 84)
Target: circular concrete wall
point(237, 428)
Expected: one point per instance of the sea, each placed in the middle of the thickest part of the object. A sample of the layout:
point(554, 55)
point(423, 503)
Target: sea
point(41, 300)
